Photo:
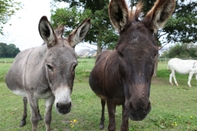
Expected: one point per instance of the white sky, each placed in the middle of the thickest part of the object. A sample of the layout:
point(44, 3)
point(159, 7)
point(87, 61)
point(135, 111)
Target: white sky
point(23, 31)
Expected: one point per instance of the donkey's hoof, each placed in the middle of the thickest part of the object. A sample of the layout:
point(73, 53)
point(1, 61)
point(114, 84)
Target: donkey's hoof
point(101, 126)
point(23, 123)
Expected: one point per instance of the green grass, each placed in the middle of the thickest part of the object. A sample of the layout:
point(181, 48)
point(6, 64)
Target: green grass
point(83, 70)
point(173, 108)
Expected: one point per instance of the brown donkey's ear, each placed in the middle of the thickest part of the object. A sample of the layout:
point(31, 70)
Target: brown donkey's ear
point(47, 32)
point(78, 34)
point(159, 14)
point(118, 14)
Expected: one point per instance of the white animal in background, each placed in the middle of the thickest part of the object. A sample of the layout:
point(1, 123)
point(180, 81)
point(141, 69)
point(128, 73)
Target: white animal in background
point(182, 67)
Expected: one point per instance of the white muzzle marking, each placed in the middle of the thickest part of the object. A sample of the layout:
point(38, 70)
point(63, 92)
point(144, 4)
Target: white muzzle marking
point(62, 95)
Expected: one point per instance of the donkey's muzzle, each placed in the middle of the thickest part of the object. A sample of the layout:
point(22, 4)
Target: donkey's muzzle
point(139, 114)
point(63, 108)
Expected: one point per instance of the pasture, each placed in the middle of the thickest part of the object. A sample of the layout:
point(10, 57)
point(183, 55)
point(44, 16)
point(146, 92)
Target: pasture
point(173, 108)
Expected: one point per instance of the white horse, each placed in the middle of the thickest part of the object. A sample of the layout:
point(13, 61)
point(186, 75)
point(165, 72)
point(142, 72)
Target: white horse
point(182, 67)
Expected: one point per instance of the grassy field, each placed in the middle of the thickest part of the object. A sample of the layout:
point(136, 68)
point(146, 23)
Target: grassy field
point(173, 108)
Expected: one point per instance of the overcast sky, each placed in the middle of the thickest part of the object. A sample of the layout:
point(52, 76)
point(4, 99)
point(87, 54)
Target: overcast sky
point(23, 31)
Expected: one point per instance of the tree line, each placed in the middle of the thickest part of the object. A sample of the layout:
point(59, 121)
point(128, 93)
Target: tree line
point(8, 51)
point(183, 50)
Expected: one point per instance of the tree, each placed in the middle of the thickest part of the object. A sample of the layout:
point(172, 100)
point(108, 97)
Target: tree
point(8, 50)
point(183, 50)
point(102, 33)
point(7, 9)
point(182, 27)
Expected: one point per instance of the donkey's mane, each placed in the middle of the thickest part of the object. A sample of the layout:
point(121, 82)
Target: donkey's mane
point(59, 31)
point(135, 13)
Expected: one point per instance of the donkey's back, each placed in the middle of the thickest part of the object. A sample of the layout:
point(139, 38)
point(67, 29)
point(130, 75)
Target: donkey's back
point(182, 66)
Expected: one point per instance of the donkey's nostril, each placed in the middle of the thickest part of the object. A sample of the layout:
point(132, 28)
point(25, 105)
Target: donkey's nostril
point(63, 108)
point(68, 105)
point(57, 105)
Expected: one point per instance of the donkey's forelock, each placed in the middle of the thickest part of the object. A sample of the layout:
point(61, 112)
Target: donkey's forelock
point(59, 31)
point(135, 12)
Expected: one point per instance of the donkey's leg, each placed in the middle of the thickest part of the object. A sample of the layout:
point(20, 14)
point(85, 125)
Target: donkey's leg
point(101, 125)
point(35, 116)
point(40, 117)
point(173, 75)
point(47, 117)
point(111, 111)
point(23, 121)
point(189, 78)
point(124, 125)
point(170, 79)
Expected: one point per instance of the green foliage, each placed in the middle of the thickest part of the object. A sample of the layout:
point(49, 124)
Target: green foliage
point(9, 51)
point(69, 17)
point(101, 33)
point(181, 51)
point(7, 9)
point(87, 4)
point(182, 26)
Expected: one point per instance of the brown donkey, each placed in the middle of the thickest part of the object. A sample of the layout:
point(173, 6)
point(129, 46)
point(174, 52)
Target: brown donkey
point(123, 76)
point(47, 72)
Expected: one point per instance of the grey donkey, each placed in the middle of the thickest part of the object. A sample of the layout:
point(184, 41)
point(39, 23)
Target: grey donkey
point(47, 72)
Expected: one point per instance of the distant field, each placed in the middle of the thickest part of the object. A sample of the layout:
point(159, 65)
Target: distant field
point(6, 60)
point(173, 108)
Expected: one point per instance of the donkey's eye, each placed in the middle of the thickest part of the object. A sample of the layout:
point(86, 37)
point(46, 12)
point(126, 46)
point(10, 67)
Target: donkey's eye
point(120, 54)
point(50, 68)
point(74, 67)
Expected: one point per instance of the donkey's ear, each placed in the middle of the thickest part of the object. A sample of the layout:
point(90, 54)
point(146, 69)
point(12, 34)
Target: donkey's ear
point(118, 14)
point(78, 34)
point(46, 32)
point(159, 14)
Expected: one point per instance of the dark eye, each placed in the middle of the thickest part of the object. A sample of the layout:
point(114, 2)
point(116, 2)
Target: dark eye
point(120, 54)
point(74, 66)
point(50, 67)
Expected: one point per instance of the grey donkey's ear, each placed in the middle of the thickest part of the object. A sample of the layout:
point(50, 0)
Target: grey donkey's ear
point(159, 14)
point(46, 32)
point(78, 34)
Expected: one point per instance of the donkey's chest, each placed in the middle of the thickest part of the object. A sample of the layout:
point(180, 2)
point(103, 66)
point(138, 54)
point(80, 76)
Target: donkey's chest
point(116, 99)
point(43, 94)
point(114, 93)
point(38, 90)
